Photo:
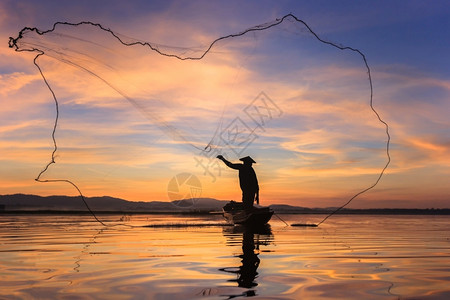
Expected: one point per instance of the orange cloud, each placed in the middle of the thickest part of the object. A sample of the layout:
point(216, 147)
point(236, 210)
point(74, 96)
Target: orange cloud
point(327, 144)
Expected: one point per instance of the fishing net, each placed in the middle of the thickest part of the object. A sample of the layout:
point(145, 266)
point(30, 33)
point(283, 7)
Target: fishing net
point(132, 111)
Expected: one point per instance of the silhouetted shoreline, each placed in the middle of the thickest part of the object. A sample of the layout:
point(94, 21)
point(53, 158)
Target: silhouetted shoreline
point(73, 205)
point(394, 211)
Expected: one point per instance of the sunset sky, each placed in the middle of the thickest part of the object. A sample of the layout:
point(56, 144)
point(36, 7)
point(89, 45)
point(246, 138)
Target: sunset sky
point(303, 106)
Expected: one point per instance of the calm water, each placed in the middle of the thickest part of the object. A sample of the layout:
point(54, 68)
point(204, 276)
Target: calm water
point(348, 257)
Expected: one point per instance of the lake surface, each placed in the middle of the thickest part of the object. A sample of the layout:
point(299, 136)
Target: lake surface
point(347, 257)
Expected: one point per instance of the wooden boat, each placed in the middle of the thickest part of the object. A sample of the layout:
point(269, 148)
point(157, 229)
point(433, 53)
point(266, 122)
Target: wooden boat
point(234, 213)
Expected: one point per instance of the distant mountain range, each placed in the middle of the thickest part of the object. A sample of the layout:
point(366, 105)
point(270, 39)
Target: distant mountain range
point(105, 204)
point(23, 202)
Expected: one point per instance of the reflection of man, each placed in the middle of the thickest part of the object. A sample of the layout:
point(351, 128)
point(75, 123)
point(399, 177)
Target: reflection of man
point(250, 262)
point(247, 272)
point(247, 180)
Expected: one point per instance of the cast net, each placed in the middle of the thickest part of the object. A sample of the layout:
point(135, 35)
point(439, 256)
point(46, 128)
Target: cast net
point(132, 113)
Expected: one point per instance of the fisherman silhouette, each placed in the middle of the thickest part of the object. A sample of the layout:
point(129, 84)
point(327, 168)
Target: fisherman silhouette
point(247, 180)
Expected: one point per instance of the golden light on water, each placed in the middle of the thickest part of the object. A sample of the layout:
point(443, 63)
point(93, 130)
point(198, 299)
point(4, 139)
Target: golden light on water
point(64, 256)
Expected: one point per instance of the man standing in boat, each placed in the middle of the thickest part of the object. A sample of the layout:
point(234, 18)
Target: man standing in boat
point(247, 180)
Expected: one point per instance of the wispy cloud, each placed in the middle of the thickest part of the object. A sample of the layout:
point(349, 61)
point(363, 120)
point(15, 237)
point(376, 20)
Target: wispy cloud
point(326, 145)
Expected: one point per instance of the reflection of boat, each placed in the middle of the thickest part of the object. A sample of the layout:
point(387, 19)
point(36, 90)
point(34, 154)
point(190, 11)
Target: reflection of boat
point(235, 213)
point(236, 231)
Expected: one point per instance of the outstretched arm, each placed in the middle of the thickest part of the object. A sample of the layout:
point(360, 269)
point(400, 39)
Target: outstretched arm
point(229, 164)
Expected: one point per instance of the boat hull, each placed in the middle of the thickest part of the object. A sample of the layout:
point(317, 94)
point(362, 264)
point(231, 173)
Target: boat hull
point(234, 213)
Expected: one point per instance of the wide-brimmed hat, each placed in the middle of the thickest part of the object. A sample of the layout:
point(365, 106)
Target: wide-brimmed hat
point(247, 158)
